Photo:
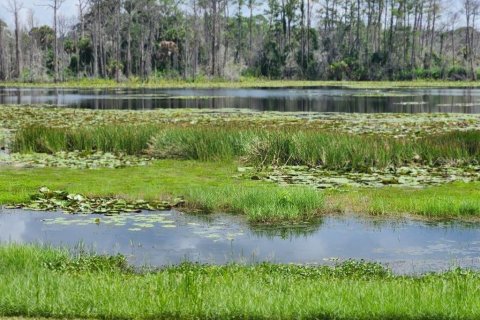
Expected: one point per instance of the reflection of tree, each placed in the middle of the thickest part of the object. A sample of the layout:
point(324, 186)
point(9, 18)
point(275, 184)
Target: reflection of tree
point(287, 231)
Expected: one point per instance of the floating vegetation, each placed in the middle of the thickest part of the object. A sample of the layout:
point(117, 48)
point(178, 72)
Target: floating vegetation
point(48, 200)
point(216, 230)
point(16, 117)
point(73, 159)
point(412, 176)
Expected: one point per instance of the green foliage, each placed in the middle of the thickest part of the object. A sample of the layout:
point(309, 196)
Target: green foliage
point(45, 282)
point(457, 73)
point(272, 60)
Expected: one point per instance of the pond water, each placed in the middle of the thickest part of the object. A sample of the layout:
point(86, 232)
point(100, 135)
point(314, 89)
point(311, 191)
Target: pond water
point(325, 99)
point(170, 237)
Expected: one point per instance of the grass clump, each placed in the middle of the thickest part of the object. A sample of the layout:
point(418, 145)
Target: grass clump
point(260, 204)
point(337, 151)
point(259, 147)
point(129, 139)
point(353, 290)
point(205, 144)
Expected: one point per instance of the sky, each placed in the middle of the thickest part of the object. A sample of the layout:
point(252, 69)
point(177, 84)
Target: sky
point(43, 15)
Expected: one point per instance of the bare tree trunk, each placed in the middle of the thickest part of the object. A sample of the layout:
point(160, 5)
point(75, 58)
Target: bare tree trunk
point(432, 36)
point(195, 40)
point(250, 33)
point(214, 36)
point(2, 53)
point(118, 40)
point(15, 7)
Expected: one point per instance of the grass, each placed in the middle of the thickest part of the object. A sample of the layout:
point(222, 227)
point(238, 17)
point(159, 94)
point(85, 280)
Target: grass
point(43, 282)
point(245, 83)
point(258, 147)
point(129, 139)
point(211, 186)
point(205, 186)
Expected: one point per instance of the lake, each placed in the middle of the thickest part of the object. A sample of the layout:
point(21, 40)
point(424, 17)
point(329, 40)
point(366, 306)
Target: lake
point(325, 99)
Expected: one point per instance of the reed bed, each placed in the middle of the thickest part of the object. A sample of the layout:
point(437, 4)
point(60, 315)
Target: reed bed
point(259, 147)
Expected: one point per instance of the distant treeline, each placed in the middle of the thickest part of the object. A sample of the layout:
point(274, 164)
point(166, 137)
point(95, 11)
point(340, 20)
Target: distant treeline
point(195, 39)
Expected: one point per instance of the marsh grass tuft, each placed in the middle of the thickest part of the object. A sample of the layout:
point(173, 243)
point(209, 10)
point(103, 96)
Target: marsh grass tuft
point(129, 139)
point(259, 204)
point(259, 147)
point(330, 150)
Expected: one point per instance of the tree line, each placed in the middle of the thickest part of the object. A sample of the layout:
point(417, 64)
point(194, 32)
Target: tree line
point(195, 39)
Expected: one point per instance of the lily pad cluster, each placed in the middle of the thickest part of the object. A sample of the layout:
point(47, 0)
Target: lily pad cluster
point(75, 159)
point(412, 176)
point(157, 221)
point(14, 117)
point(48, 200)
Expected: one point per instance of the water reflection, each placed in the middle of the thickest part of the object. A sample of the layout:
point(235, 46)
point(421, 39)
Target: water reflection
point(264, 99)
point(163, 238)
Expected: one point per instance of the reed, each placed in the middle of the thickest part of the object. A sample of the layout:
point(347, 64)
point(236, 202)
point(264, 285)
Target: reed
point(129, 139)
point(259, 147)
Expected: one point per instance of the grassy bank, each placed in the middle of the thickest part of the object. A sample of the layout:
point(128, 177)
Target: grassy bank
point(212, 186)
point(246, 83)
point(259, 147)
point(38, 282)
point(206, 187)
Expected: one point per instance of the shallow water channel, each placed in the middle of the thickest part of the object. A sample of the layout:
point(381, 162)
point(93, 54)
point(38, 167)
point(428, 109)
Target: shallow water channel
point(170, 237)
point(325, 99)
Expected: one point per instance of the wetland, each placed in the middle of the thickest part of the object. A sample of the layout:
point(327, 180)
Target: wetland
point(358, 187)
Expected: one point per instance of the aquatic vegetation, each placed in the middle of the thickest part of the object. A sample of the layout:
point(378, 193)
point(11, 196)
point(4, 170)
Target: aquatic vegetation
point(328, 150)
point(146, 221)
point(48, 200)
point(49, 282)
point(15, 117)
point(262, 204)
point(243, 83)
point(259, 147)
point(73, 159)
point(414, 176)
point(129, 139)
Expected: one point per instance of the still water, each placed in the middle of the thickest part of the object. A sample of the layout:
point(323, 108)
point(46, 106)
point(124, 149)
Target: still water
point(323, 99)
point(170, 237)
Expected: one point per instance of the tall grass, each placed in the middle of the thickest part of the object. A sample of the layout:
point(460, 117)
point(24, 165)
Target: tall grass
point(130, 139)
point(259, 204)
point(259, 146)
point(30, 286)
point(313, 148)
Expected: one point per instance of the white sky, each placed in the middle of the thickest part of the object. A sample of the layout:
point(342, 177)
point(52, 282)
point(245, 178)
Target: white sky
point(43, 15)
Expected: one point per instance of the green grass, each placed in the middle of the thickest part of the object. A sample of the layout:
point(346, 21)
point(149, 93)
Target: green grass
point(258, 147)
point(210, 186)
point(42, 282)
point(129, 139)
point(205, 186)
point(245, 83)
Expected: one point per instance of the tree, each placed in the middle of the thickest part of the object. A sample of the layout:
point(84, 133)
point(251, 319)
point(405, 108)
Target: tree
point(55, 6)
point(3, 73)
point(15, 7)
